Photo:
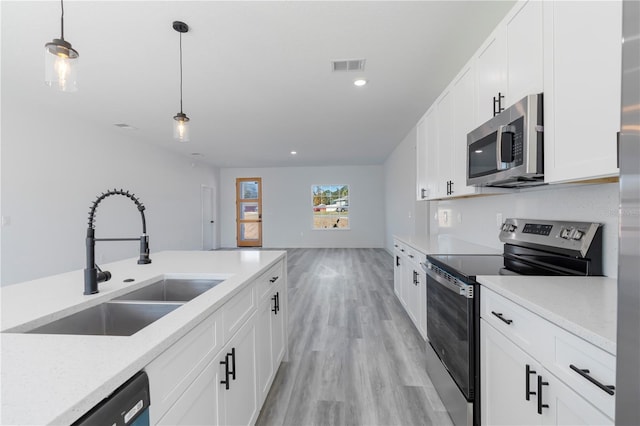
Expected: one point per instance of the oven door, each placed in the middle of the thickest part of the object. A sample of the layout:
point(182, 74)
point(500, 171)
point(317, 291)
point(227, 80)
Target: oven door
point(451, 326)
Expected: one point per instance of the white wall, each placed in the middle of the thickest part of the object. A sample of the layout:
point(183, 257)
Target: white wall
point(286, 206)
point(477, 224)
point(53, 168)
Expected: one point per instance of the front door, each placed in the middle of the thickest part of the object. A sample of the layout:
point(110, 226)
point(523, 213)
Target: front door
point(249, 212)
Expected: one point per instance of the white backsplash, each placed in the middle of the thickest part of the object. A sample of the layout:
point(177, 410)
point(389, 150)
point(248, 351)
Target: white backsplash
point(474, 219)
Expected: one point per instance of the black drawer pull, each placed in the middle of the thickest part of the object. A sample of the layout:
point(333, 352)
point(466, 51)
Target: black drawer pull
point(585, 373)
point(225, 382)
point(528, 372)
point(499, 315)
point(233, 363)
point(273, 279)
point(540, 385)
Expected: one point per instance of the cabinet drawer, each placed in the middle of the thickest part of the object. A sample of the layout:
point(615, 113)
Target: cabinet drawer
point(523, 327)
point(570, 350)
point(237, 310)
point(171, 373)
point(269, 279)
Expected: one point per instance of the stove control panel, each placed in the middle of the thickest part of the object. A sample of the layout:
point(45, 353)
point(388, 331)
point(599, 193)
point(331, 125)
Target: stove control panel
point(573, 237)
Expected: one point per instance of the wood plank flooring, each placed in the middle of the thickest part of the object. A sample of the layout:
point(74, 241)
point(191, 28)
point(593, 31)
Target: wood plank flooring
point(355, 358)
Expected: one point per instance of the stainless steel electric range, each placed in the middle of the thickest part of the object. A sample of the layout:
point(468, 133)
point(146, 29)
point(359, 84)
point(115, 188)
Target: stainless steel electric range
point(531, 247)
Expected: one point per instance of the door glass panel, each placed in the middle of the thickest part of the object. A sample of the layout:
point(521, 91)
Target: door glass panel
point(249, 231)
point(249, 211)
point(249, 190)
point(483, 156)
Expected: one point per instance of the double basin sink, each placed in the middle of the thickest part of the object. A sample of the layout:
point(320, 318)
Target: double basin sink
point(125, 315)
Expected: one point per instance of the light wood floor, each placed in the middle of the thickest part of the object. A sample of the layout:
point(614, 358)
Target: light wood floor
point(355, 358)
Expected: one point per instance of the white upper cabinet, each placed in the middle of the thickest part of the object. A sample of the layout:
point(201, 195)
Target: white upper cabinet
point(491, 69)
point(444, 114)
point(431, 161)
point(421, 156)
point(464, 120)
point(524, 51)
point(582, 63)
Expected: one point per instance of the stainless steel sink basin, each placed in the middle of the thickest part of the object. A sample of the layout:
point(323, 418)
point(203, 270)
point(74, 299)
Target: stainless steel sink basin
point(109, 319)
point(172, 290)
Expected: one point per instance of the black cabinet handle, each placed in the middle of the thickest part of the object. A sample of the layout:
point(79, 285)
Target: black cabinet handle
point(585, 373)
point(540, 385)
point(397, 260)
point(278, 300)
point(233, 363)
point(274, 309)
point(415, 278)
point(527, 373)
point(450, 187)
point(273, 279)
point(411, 256)
point(225, 382)
point(402, 250)
point(499, 315)
point(497, 104)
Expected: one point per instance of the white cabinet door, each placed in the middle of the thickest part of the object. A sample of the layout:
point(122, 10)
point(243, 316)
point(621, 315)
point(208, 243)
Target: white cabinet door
point(198, 405)
point(566, 407)
point(444, 109)
point(397, 274)
point(279, 328)
point(264, 338)
point(503, 378)
point(422, 303)
point(464, 120)
point(421, 160)
point(582, 43)
point(524, 51)
point(431, 131)
point(491, 70)
point(238, 404)
point(413, 295)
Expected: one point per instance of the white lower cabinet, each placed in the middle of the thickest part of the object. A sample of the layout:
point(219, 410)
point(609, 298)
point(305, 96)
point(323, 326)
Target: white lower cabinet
point(410, 284)
point(198, 405)
point(519, 387)
point(503, 379)
point(220, 372)
point(238, 395)
point(271, 339)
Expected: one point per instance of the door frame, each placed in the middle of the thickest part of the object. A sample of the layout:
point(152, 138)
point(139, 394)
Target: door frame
point(239, 222)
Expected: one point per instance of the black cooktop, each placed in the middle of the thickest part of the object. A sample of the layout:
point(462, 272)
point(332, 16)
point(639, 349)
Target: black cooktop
point(468, 266)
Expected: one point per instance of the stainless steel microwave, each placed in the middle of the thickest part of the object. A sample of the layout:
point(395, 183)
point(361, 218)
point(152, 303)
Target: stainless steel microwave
point(507, 151)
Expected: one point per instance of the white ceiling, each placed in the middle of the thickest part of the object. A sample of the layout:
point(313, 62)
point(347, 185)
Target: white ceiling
point(257, 75)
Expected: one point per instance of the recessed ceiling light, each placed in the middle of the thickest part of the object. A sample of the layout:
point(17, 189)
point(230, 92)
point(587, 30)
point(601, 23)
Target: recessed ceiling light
point(197, 154)
point(294, 152)
point(360, 82)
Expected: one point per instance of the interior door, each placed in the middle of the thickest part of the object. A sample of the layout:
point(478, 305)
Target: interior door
point(249, 212)
point(208, 220)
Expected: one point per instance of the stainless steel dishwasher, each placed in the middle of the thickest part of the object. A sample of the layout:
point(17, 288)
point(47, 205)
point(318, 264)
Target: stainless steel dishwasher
point(128, 405)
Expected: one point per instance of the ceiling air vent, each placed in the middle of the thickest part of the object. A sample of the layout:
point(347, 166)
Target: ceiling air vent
point(348, 65)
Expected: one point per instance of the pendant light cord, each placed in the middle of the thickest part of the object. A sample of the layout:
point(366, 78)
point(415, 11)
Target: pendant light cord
point(181, 73)
point(62, 20)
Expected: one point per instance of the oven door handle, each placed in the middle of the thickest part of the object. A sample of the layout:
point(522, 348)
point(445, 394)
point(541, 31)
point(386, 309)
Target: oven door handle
point(461, 289)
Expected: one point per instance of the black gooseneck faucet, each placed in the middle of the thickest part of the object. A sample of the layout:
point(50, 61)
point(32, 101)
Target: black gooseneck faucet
point(92, 273)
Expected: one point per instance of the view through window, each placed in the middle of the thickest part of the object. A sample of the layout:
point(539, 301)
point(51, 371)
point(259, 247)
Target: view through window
point(330, 206)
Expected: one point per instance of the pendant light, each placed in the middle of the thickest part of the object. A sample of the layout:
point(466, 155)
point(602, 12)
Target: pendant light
point(181, 121)
point(61, 61)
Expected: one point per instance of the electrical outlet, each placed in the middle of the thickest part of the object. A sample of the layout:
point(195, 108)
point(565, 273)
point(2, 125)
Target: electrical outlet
point(499, 220)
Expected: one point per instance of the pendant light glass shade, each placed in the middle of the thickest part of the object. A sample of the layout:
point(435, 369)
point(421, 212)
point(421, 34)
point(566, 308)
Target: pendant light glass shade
point(180, 120)
point(61, 66)
point(181, 127)
point(61, 61)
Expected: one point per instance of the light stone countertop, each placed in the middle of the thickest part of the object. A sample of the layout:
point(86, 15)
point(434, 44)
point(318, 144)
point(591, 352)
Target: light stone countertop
point(444, 244)
point(584, 306)
point(55, 379)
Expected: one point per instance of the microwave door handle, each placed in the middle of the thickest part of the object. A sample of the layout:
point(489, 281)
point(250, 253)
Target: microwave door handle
point(499, 148)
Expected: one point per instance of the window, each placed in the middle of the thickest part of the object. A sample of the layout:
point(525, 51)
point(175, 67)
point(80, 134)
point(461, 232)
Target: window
point(330, 206)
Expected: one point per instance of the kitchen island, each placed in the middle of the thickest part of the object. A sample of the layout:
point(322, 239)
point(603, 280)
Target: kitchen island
point(55, 379)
